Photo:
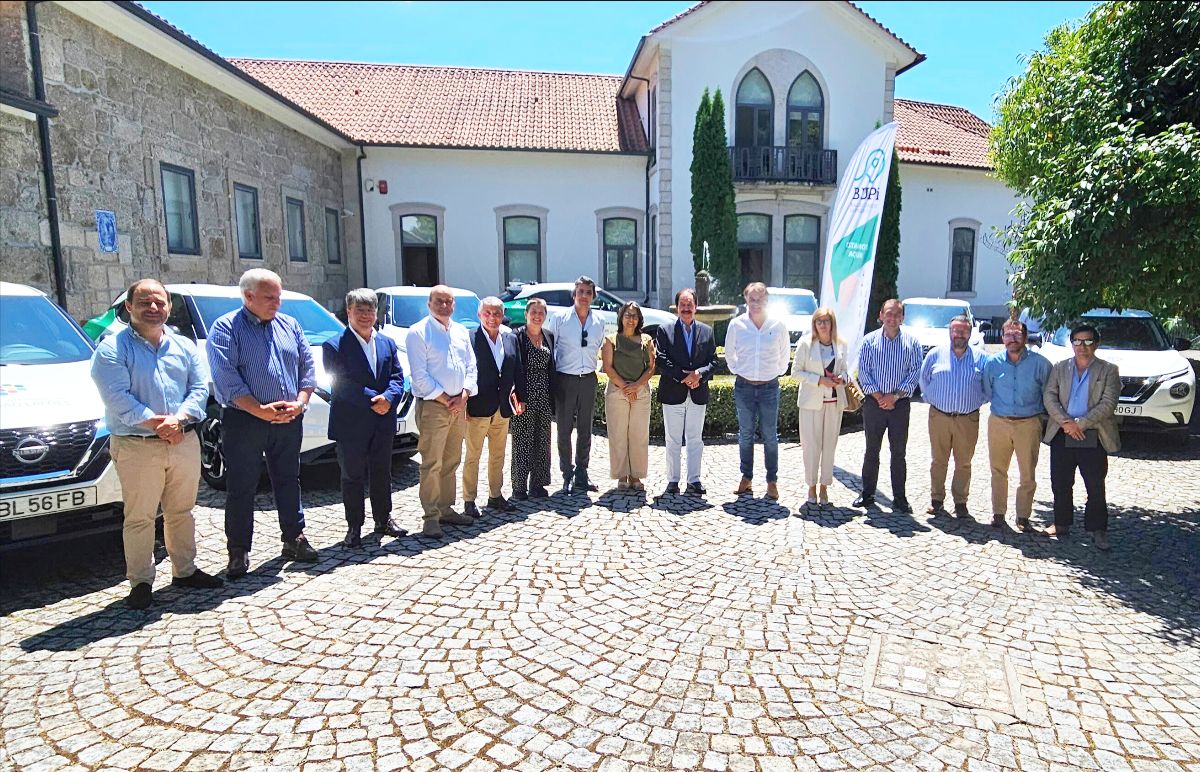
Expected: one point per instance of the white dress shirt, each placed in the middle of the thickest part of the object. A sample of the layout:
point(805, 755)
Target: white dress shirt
point(497, 346)
point(368, 347)
point(441, 359)
point(570, 356)
point(757, 354)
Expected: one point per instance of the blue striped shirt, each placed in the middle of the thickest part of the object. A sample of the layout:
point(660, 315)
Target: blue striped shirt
point(952, 383)
point(1015, 390)
point(889, 365)
point(138, 381)
point(269, 361)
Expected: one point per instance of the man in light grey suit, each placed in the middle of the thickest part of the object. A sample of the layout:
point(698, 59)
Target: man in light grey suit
point(1081, 398)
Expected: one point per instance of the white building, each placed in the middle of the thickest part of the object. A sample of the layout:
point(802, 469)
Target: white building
point(478, 177)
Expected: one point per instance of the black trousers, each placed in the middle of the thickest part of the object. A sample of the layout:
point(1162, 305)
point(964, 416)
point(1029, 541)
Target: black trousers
point(1092, 464)
point(366, 459)
point(877, 421)
point(574, 409)
point(247, 441)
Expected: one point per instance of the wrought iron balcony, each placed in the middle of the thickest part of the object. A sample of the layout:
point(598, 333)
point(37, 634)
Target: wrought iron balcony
point(783, 164)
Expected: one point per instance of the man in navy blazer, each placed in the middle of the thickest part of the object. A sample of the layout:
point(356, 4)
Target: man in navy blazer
point(367, 386)
point(687, 355)
point(496, 359)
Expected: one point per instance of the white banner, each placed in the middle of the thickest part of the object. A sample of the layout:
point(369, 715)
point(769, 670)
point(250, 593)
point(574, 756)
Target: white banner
point(854, 234)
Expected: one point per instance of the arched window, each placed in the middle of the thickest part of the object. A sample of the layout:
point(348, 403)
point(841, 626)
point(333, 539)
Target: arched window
point(754, 111)
point(806, 113)
point(419, 250)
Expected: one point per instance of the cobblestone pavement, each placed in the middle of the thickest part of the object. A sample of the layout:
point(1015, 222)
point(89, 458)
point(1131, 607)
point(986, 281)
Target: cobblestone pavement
point(621, 633)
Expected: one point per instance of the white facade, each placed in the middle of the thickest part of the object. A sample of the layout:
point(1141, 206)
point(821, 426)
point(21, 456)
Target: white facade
point(470, 192)
point(936, 200)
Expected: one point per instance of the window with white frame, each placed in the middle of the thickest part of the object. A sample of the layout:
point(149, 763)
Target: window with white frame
point(802, 251)
point(962, 259)
point(522, 249)
point(620, 254)
point(245, 215)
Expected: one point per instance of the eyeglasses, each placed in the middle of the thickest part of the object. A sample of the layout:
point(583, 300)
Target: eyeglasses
point(583, 339)
point(1089, 342)
point(1012, 337)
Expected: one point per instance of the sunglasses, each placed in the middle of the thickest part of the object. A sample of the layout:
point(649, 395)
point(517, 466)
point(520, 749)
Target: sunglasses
point(583, 339)
point(1083, 342)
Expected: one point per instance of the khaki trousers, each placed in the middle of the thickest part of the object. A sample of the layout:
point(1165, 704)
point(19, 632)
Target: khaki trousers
point(628, 433)
point(819, 431)
point(153, 471)
point(440, 444)
point(1007, 436)
point(494, 429)
point(957, 435)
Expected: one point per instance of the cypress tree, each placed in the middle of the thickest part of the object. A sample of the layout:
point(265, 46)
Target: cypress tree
point(722, 243)
point(701, 203)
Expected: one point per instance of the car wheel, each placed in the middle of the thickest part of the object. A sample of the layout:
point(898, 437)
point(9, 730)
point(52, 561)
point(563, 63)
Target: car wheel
point(212, 455)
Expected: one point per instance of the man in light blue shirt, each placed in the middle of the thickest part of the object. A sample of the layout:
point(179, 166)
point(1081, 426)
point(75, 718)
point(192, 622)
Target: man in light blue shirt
point(578, 335)
point(1013, 381)
point(155, 388)
point(951, 382)
point(441, 362)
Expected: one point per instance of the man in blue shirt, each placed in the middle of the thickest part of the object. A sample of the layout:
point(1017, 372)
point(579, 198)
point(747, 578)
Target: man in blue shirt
point(951, 384)
point(578, 335)
point(888, 367)
point(1013, 381)
point(154, 389)
point(263, 376)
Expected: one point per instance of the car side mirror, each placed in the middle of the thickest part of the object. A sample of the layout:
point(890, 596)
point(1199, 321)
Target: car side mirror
point(1034, 339)
point(1182, 344)
point(985, 326)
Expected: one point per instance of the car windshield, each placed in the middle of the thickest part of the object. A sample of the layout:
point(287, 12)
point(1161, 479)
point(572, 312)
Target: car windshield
point(921, 315)
point(407, 310)
point(791, 305)
point(1122, 332)
point(319, 325)
point(34, 332)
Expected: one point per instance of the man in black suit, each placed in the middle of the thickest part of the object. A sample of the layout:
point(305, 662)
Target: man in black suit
point(367, 386)
point(489, 410)
point(687, 355)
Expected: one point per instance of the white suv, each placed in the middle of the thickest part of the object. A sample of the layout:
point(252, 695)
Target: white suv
point(1158, 385)
point(928, 320)
point(55, 473)
point(558, 297)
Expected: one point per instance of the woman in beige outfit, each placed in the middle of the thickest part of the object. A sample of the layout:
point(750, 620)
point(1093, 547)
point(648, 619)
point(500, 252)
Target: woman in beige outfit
point(820, 368)
point(628, 357)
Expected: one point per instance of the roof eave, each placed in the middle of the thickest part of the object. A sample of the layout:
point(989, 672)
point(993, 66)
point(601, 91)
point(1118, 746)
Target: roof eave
point(947, 165)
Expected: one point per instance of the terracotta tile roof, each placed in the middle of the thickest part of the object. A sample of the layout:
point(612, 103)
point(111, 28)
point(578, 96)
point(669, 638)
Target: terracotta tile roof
point(460, 107)
point(942, 135)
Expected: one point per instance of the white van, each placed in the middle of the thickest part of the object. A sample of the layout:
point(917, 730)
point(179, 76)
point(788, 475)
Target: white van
point(56, 477)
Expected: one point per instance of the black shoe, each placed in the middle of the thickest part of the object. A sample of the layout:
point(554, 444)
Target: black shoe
point(353, 537)
point(901, 505)
point(470, 510)
point(566, 487)
point(584, 486)
point(198, 580)
point(538, 492)
point(672, 489)
point(388, 528)
point(520, 495)
point(499, 504)
point(937, 508)
point(139, 597)
point(695, 489)
point(300, 550)
point(239, 563)
point(961, 511)
point(864, 501)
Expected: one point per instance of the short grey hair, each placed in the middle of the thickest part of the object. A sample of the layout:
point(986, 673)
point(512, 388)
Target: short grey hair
point(251, 279)
point(960, 318)
point(491, 300)
point(361, 297)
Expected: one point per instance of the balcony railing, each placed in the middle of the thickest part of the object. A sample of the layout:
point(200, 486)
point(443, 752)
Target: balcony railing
point(783, 164)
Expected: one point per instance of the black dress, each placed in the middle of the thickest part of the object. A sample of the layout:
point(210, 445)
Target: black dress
point(531, 430)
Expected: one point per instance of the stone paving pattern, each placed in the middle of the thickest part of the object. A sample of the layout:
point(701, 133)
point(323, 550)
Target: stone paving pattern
point(617, 633)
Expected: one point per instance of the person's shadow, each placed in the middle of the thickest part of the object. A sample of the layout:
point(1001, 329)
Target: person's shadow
point(756, 511)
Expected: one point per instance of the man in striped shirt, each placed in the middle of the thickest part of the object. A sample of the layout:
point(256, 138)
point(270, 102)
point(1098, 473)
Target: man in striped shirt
point(952, 384)
point(888, 367)
point(263, 376)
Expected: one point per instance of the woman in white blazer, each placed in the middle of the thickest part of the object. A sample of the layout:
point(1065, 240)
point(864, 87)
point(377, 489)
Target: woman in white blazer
point(820, 369)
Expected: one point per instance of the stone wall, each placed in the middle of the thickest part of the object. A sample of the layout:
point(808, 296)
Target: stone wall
point(122, 113)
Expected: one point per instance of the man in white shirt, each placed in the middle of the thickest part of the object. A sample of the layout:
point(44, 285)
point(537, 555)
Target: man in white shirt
point(442, 365)
point(757, 350)
point(578, 335)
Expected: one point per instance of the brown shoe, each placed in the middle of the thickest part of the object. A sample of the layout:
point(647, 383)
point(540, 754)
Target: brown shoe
point(998, 521)
point(936, 508)
point(961, 511)
point(1023, 525)
point(744, 487)
point(450, 517)
point(431, 530)
point(1055, 531)
point(772, 491)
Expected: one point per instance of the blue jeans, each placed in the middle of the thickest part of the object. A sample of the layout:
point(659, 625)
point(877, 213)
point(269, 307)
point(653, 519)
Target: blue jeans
point(758, 404)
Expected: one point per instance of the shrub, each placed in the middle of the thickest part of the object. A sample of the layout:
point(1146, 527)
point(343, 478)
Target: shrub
point(721, 417)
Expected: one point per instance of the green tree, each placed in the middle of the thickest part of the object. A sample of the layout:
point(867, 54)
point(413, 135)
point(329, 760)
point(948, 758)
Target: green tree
point(887, 251)
point(714, 214)
point(1101, 138)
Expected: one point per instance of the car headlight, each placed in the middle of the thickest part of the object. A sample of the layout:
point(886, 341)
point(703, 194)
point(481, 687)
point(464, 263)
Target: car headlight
point(1180, 390)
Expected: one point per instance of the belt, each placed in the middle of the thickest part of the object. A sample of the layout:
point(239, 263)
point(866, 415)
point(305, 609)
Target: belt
point(576, 375)
point(1016, 417)
point(955, 415)
point(186, 428)
point(756, 383)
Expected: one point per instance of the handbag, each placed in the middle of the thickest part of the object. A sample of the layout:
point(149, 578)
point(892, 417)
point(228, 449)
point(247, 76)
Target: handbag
point(1091, 438)
point(854, 396)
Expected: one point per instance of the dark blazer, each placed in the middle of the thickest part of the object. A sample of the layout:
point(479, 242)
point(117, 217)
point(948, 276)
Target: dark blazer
point(350, 413)
point(673, 361)
point(522, 383)
point(494, 385)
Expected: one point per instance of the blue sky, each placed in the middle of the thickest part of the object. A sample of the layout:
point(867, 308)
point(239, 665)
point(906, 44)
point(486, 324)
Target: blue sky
point(972, 48)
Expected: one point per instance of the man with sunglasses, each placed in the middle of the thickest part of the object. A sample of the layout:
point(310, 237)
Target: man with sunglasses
point(1013, 381)
point(578, 335)
point(1081, 398)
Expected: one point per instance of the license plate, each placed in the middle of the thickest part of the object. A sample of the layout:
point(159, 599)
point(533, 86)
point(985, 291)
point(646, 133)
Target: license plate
point(46, 503)
point(1129, 410)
